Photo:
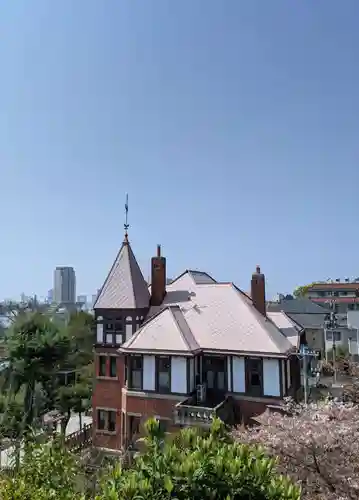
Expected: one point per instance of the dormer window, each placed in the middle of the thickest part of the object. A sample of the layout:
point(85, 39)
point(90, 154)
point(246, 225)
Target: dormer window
point(114, 332)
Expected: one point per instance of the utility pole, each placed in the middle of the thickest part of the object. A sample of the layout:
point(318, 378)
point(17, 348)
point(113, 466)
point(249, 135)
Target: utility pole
point(306, 354)
point(331, 324)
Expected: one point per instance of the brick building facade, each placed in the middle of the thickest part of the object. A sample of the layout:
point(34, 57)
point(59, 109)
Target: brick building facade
point(185, 352)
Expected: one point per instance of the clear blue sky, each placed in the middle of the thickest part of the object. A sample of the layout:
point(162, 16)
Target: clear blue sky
point(233, 125)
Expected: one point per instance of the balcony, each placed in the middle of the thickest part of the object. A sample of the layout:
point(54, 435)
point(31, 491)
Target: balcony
point(191, 412)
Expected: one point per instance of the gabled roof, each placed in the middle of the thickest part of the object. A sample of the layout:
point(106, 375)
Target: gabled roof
point(217, 316)
point(312, 321)
point(297, 306)
point(167, 331)
point(198, 277)
point(287, 326)
point(124, 287)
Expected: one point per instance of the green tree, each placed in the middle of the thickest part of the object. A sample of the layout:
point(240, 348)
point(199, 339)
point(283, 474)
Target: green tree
point(47, 471)
point(198, 466)
point(74, 397)
point(301, 291)
point(11, 414)
point(36, 351)
point(81, 333)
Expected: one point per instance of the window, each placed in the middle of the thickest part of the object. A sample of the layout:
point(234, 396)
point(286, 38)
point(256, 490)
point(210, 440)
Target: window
point(111, 421)
point(101, 419)
point(109, 332)
point(334, 336)
point(135, 372)
point(106, 420)
point(254, 376)
point(119, 331)
point(102, 366)
point(113, 366)
point(163, 374)
point(134, 424)
point(214, 372)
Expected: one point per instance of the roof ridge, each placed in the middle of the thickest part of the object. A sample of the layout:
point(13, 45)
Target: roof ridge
point(109, 273)
point(239, 290)
point(133, 261)
point(177, 325)
point(131, 271)
point(186, 341)
point(124, 286)
point(189, 271)
point(294, 323)
point(276, 327)
point(258, 316)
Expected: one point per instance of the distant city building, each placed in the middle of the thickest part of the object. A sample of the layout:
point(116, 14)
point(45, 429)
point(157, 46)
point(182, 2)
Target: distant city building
point(64, 291)
point(343, 293)
point(50, 296)
point(81, 302)
point(82, 299)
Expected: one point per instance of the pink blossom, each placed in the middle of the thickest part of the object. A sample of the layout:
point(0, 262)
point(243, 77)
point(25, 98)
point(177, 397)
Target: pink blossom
point(317, 445)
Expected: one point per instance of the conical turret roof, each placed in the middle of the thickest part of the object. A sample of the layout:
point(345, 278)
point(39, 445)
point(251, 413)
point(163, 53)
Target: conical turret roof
point(125, 286)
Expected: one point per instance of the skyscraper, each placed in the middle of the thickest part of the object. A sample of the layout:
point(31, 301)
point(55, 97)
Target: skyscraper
point(50, 296)
point(64, 285)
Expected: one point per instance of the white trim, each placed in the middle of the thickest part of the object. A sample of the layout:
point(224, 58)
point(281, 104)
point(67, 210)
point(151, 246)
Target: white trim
point(152, 395)
point(132, 414)
point(105, 408)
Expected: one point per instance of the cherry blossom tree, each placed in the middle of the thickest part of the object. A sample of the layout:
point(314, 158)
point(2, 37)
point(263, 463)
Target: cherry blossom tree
point(317, 445)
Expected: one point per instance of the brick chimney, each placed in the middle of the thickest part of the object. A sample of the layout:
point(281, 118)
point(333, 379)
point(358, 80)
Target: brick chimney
point(258, 291)
point(158, 278)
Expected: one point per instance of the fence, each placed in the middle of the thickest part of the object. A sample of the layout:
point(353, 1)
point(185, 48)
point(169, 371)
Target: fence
point(80, 439)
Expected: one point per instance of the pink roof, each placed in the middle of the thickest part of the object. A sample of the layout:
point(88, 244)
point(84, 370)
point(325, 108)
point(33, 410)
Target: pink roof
point(125, 286)
point(215, 316)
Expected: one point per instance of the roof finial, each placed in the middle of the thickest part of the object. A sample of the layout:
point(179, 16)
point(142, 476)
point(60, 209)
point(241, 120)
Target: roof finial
point(126, 224)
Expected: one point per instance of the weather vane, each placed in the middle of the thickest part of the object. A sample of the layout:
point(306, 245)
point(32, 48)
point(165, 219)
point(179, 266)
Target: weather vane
point(126, 224)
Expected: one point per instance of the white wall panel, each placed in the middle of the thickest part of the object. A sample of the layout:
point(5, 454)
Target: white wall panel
point(239, 379)
point(271, 384)
point(179, 374)
point(149, 368)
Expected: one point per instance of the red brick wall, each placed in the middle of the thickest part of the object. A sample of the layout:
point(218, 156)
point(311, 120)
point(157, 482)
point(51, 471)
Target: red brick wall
point(149, 407)
point(110, 441)
point(248, 409)
point(107, 393)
